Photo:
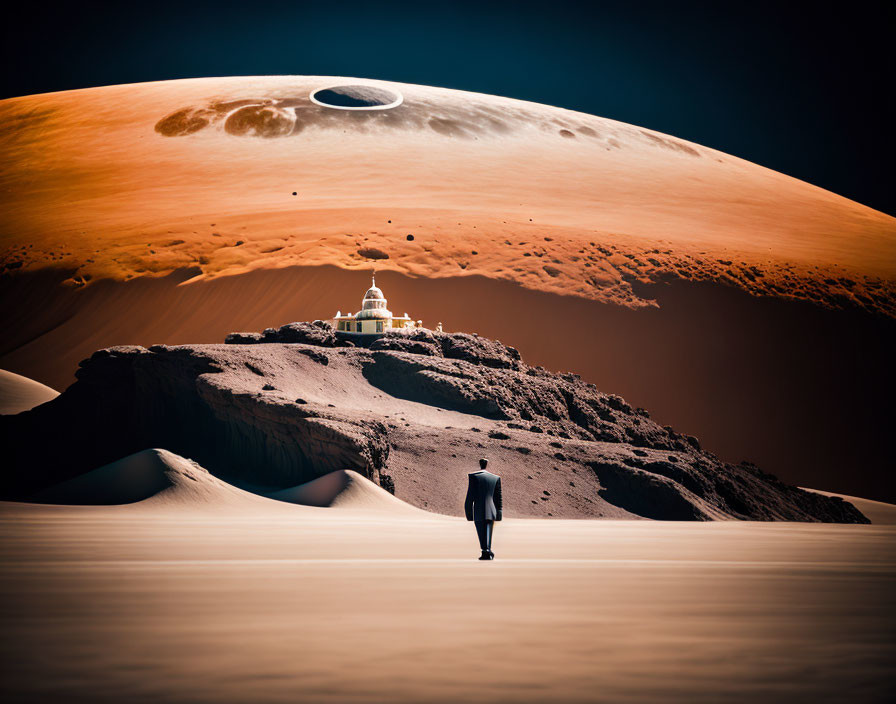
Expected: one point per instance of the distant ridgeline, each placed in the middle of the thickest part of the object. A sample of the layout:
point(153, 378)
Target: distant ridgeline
point(412, 410)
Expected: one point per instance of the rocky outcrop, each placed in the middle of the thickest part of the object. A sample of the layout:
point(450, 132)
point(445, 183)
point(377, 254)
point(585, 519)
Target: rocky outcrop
point(317, 333)
point(420, 341)
point(413, 413)
point(183, 398)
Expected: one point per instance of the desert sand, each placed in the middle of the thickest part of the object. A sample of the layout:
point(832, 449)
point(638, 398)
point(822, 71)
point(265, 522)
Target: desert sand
point(878, 512)
point(714, 292)
point(205, 593)
point(19, 393)
point(157, 477)
point(345, 488)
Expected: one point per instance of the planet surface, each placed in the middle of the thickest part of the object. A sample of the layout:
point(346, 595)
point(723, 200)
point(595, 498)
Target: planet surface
point(741, 305)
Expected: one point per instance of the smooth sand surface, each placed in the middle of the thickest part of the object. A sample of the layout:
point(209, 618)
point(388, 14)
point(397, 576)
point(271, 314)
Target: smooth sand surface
point(110, 604)
point(19, 393)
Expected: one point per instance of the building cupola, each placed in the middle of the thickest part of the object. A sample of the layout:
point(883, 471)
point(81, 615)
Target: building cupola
point(373, 306)
point(373, 319)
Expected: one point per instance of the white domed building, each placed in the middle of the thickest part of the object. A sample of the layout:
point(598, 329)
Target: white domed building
point(374, 318)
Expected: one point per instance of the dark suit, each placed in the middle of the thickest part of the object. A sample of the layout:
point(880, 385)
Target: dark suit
point(484, 505)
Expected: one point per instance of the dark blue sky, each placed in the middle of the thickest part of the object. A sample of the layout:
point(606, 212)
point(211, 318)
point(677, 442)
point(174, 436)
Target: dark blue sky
point(806, 93)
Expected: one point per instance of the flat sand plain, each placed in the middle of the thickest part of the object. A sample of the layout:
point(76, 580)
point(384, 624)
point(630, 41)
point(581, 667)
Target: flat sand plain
point(274, 602)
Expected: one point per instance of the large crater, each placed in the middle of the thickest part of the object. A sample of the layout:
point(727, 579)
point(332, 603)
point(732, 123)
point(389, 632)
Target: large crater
point(356, 98)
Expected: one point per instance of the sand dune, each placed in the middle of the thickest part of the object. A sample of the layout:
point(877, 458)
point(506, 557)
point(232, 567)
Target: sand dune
point(344, 489)
point(155, 477)
point(19, 393)
point(878, 512)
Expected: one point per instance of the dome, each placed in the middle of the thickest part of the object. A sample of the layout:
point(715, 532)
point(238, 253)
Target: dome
point(374, 305)
point(374, 293)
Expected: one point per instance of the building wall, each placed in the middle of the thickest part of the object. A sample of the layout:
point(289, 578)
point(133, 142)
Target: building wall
point(370, 326)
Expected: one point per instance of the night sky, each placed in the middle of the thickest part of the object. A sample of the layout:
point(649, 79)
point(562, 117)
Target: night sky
point(806, 93)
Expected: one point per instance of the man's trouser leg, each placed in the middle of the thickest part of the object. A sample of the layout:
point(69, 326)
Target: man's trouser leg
point(484, 531)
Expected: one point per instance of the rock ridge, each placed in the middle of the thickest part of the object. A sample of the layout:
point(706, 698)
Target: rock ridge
point(412, 412)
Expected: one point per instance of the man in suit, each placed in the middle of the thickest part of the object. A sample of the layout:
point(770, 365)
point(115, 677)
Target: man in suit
point(483, 506)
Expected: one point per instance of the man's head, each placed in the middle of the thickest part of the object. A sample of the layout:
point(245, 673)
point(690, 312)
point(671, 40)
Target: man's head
point(483, 463)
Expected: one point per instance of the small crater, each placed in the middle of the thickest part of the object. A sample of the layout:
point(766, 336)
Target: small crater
point(566, 134)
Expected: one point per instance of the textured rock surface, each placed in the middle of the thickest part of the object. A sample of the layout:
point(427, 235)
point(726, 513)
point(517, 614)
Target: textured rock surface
point(316, 333)
point(414, 413)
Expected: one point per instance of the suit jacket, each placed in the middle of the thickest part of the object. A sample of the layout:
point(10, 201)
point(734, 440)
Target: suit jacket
point(483, 502)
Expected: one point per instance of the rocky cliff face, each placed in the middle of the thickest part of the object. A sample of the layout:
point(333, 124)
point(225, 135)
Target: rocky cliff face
point(413, 412)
